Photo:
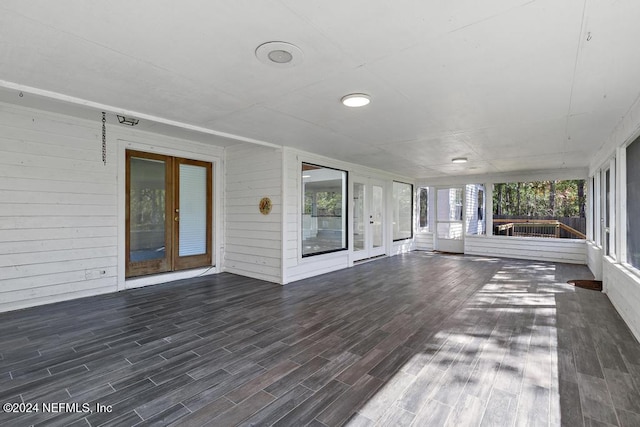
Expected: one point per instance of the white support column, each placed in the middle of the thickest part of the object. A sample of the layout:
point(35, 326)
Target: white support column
point(488, 207)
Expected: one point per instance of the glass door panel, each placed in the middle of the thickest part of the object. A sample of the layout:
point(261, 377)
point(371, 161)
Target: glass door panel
point(358, 216)
point(192, 214)
point(192, 210)
point(377, 210)
point(606, 214)
point(368, 219)
point(449, 220)
point(148, 233)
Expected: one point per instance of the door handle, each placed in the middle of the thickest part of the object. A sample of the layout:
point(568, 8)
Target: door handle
point(177, 219)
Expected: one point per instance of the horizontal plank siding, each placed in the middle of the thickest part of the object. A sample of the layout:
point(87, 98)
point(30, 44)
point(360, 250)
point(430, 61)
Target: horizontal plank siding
point(424, 241)
point(253, 244)
point(555, 250)
point(58, 209)
point(59, 204)
point(622, 286)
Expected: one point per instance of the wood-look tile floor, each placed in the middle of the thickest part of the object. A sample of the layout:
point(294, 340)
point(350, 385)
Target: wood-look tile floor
point(419, 339)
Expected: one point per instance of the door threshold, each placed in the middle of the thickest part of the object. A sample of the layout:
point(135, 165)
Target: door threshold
point(374, 258)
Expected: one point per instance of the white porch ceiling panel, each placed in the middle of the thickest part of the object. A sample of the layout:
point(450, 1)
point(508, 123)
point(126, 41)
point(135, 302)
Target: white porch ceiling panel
point(513, 85)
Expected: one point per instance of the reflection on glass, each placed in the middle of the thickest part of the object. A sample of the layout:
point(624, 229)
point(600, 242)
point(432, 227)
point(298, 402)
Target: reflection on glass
point(147, 210)
point(607, 213)
point(402, 211)
point(193, 210)
point(358, 217)
point(376, 216)
point(324, 219)
point(424, 207)
point(450, 230)
point(449, 204)
point(475, 209)
point(633, 204)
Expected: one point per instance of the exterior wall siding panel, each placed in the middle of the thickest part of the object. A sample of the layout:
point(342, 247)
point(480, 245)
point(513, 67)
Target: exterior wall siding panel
point(253, 244)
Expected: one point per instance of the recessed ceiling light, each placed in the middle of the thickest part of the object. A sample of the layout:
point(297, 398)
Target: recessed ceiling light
point(459, 160)
point(279, 54)
point(356, 99)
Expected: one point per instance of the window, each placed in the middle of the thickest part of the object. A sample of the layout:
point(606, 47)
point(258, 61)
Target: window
point(402, 211)
point(475, 209)
point(324, 210)
point(424, 208)
point(168, 213)
point(633, 204)
point(606, 213)
point(540, 209)
point(594, 226)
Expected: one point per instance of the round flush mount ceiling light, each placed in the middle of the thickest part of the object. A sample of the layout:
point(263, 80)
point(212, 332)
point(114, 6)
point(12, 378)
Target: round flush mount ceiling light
point(459, 160)
point(279, 54)
point(356, 100)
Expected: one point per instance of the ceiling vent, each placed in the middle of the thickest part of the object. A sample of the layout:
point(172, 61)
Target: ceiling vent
point(279, 54)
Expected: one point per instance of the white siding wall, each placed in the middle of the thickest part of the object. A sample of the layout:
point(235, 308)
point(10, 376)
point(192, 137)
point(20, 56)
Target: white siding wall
point(58, 210)
point(621, 285)
point(623, 289)
point(556, 250)
point(594, 260)
point(424, 241)
point(62, 210)
point(253, 241)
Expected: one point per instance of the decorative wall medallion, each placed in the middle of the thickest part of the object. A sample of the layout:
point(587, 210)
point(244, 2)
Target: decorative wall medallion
point(265, 206)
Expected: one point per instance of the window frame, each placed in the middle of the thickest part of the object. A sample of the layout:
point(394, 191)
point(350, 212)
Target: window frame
point(427, 207)
point(344, 210)
point(624, 189)
point(526, 219)
point(411, 220)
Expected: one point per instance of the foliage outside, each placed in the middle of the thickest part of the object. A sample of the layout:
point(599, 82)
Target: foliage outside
point(327, 203)
point(540, 199)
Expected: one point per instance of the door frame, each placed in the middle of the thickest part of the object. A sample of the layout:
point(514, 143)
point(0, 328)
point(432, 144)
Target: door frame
point(369, 251)
point(449, 245)
point(172, 263)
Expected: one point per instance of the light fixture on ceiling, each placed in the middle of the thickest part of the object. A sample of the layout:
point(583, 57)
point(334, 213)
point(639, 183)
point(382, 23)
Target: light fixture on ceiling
point(459, 160)
point(129, 121)
point(356, 100)
point(306, 176)
point(279, 54)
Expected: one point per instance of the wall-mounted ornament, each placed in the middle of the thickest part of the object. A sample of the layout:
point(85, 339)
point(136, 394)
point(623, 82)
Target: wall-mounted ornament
point(265, 206)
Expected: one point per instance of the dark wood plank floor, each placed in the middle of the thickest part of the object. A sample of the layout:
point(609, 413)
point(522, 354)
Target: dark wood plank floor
point(419, 339)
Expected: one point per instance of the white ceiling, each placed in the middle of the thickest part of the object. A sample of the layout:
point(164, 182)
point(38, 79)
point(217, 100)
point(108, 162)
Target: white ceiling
point(513, 85)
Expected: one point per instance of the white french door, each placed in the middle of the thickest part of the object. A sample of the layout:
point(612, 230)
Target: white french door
point(368, 219)
point(449, 235)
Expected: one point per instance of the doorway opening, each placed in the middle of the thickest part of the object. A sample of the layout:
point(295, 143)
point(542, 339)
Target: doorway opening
point(449, 232)
point(368, 219)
